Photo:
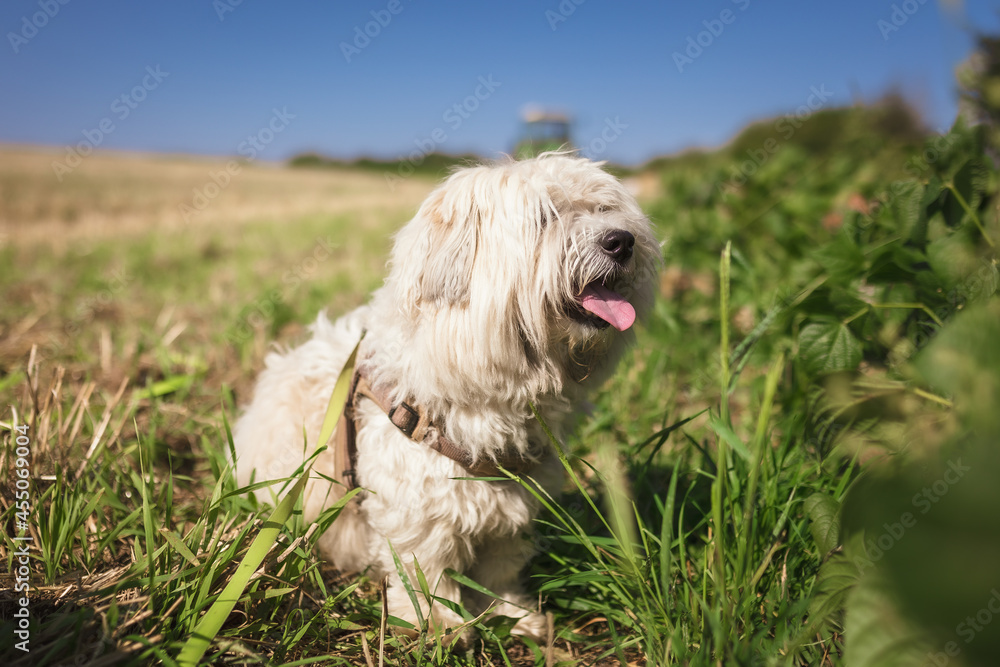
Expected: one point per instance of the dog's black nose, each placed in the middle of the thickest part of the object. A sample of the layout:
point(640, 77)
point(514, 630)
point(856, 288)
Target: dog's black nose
point(618, 244)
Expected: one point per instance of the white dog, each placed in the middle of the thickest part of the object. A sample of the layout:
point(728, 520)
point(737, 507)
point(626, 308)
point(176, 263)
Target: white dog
point(516, 283)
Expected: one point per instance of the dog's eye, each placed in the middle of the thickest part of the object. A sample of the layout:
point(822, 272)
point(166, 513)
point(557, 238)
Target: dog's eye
point(544, 219)
point(603, 209)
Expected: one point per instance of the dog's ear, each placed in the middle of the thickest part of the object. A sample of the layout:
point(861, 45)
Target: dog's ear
point(434, 253)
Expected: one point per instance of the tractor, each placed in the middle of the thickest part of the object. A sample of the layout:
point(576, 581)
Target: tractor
point(542, 131)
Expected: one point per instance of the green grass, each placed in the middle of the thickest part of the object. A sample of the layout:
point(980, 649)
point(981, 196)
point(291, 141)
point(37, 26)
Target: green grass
point(823, 349)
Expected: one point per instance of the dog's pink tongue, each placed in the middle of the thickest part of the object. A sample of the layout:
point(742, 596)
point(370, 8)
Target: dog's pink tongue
point(607, 305)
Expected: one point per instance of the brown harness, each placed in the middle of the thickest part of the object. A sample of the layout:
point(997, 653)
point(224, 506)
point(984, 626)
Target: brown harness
point(415, 424)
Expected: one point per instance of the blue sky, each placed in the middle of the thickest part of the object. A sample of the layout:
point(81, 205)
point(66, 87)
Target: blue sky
point(225, 67)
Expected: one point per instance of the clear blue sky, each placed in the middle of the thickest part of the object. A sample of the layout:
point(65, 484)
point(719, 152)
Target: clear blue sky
point(605, 61)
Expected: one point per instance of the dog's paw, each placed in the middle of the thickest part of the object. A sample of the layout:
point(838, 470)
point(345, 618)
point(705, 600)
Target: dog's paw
point(534, 626)
point(443, 625)
point(460, 638)
point(531, 624)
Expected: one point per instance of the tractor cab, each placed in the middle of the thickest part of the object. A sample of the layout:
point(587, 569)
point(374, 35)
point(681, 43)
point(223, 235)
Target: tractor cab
point(542, 131)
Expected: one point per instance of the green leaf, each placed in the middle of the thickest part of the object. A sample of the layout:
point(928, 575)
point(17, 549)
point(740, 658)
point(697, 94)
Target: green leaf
point(727, 434)
point(180, 547)
point(828, 348)
point(952, 258)
point(404, 577)
point(476, 586)
point(834, 582)
point(906, 206)
point(886, 268)
point(166, 386)
point(876, 634)
point(841, 257)
point(963, 360)
point(824, 520)
point(928, 205)
point(930, 529)
point(210, 624)
point(970, 181)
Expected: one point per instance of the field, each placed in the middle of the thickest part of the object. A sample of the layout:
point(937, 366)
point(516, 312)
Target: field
point(795, 466)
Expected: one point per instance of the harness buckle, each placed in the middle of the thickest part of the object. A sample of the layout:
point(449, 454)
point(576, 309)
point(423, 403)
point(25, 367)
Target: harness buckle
point(405, 418)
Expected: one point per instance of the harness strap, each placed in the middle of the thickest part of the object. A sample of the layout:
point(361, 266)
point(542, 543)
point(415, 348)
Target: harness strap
point(345, 452)
point(413, 422)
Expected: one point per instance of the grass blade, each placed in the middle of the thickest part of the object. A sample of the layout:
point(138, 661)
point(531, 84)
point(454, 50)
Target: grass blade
point(210, 624)
point(213, 620)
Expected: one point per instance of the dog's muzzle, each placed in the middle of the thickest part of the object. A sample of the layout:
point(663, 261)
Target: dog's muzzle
point(598, 303)
point(618, 245)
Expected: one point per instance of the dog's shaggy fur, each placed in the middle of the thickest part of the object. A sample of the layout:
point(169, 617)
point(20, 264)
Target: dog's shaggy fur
point(503, 291)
